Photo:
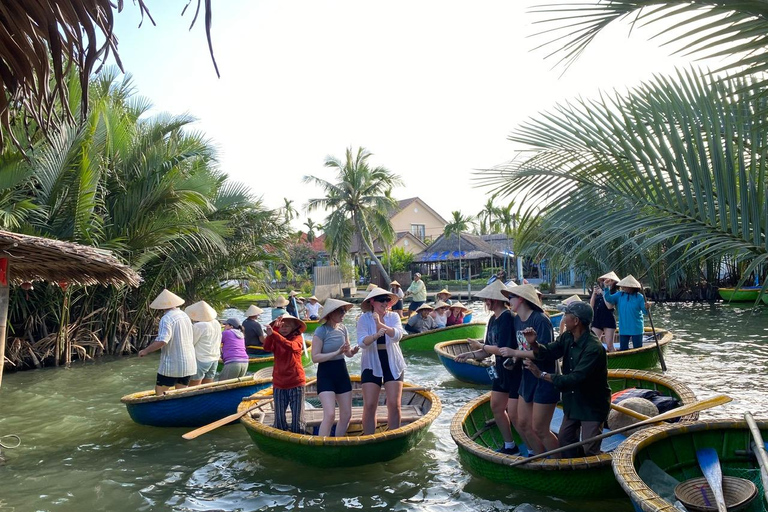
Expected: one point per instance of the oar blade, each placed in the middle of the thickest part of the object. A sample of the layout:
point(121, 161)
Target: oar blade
point(710, 466)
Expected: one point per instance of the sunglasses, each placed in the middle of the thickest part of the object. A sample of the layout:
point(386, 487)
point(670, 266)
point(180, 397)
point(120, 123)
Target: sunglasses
point(381, 298)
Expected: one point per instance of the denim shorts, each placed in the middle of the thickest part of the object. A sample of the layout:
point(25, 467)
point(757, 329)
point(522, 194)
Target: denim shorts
point(206, 370)
point(537, 390)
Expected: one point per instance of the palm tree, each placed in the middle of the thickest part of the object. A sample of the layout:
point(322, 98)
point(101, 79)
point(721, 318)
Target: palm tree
point(485, 217)
point(458, 224)
point(359, 203)
point(311, 226)
point(289, 211)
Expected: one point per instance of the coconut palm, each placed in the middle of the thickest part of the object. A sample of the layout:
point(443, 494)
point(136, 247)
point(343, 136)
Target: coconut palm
point(359, 202)
point(289, 212)
point(311, 226)
point(458, 224)
point(485, 218)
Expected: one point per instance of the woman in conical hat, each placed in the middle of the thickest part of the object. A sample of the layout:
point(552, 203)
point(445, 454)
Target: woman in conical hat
point(378, 335)
point(441, 314)
point(456, 314)
point(278, 307)
point(632, 306)
point(604, 321)
point(206, 337)
point(395, 288)
point(538, 398)
point(505, 382)
point(284, 339)
point(443, 295)
point(330, 345)
point(254, 332)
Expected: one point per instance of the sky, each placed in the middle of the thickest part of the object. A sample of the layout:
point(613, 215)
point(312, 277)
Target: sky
point(431, 88)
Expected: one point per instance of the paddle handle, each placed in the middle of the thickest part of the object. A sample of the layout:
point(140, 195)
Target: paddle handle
point(630, 412)
point(674, 413)
point(759, 447)
point(656, 340)
point(224, 421)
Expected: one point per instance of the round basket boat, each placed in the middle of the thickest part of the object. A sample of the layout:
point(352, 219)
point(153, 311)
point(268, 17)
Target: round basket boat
point(312, 325)
point(261, 358)
point(746, 294)
point(643, 358)
point(477, 437)
point(426, 341)
point(470, 371)
point(419, 410)
point(673, 449)
point(555, 316)
point(194, 406)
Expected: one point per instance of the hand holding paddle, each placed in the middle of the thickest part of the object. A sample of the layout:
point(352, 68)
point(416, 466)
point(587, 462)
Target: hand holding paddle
point(710, 466)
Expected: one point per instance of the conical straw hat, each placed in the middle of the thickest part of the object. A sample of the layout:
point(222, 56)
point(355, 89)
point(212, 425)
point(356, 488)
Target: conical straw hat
point(253, 311)
point(394, 283)
point(445, 292)
point(200, 312)
point(166, 300)
point(425, 306)
point(289, 318)
point(293, 293)
point(464, 309)
point(371, 287)
point(527, 292)
point(313, 298)
point(493, 291)
point(440, 304)
point(610, 275)
point(630, 282)
point(572, 298)
point(366, 305)
point(332, 305)
point(281, 302)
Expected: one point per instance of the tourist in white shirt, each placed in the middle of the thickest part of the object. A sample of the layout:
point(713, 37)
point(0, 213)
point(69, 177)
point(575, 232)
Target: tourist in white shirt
point(312, 308)
point(206, 337)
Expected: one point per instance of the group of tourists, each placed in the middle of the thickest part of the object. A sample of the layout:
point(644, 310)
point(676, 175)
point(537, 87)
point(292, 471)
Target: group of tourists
point(296, 306)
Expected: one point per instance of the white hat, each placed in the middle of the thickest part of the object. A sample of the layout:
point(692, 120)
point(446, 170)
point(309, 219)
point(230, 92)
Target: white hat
point(572, 298)
point(285, 317)
point(253, 311)
point(293, 293)
point(281, 302)
point(200, 312)
point(464, 309)
point(630, 282)
point(425, 306)
point(371, 287)
point(366, 305)
point(610, 275)
point(313, 298)
point(527, 292)
point(493, 291)
point(166, 300)
point(440, 304)
point(332, 305)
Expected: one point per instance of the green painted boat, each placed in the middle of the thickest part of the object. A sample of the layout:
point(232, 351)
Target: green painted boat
point(578, 478)
point(643, 358)
point(312, 325)
point(426, 341)
point(673, 449)
point(256, 363)
point(419, 410)
point(748, 294)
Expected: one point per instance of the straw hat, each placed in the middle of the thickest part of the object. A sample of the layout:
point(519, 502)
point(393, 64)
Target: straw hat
point(293, 293)
point(366, 305)
point(289, 318)
point(610, 275)
point(444, 291)
point(440, 304)
point(313, 298)
point(253, 311)
point(281, 302)
point(332, 305)
point(493, 291)
point(572, 298)
point(200, 312)
point(425, 306)
point(527, 292)
point(166, 300)
point(371, 287)
point(464, 309)
point(394, 283)
point(630, 282)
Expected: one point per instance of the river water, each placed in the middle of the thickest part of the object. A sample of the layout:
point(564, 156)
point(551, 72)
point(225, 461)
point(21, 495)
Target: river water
point(81, 451)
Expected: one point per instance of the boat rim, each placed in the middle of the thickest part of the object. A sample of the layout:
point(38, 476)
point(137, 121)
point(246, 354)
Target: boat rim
point(439, 350)
point(666, 337)
point(441, 329)
point(143, 397)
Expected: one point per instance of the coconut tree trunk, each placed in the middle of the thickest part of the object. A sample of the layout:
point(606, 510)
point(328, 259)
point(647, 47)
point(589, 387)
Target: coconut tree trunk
point(376, 260)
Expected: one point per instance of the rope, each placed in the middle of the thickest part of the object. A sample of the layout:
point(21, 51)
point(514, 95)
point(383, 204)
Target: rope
point(12, 436)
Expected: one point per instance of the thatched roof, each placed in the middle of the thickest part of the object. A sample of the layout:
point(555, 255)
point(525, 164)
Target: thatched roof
point(445, 248)
point(33, 258)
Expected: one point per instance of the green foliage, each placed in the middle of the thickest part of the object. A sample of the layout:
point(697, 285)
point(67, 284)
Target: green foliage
point(302, 258)
point(398, 260)
point(307, 287)
point(544, 287)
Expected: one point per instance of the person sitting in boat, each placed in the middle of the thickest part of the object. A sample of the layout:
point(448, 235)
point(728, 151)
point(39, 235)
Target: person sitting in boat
point(330, 345)
point(284, 339)
point(584, 379)
point(312, 308)
point(632, 305)
point(422, 321)
point(254, 333)
point(233, 351)
point(440, 314)
point(539, 398)
point(378, 334)
point(604, 324)
point(419, 292)
point(443, 296)
point(278, 307)
point(206, 337)
point(561, 307)
point(174, 341)
point(395, 288)
point(505, 381)
point(456, 314)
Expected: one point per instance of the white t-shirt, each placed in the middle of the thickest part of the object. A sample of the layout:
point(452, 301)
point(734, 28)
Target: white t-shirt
point(206, 337)
point(312, 309)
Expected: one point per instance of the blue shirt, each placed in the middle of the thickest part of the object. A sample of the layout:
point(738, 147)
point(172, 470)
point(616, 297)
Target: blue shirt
point(631, 308)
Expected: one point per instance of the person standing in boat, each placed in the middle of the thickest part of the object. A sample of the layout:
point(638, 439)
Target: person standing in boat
point(539, 398)
point(312, 308)
point(505, 381)
point(422, 321)
point(378, 335)
point(394, 287)
point(584, 381)
point(284, 339)
point(604, 324)
point(632, 306)
point(293, 304)
point(174, 341)
point(254, 333)
point(330, 345)
point(206, 337)
point(418, 290)
point(278, 308)
point(233, 351)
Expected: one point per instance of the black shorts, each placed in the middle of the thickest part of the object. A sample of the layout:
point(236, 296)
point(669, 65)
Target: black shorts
point(398, 305)
point(538, 391)
point(333, 376)
point(368, 375)
point(508, 381)
point(604, 319)
point(169, 382)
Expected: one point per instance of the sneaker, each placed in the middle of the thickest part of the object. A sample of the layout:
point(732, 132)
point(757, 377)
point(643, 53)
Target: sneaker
point(508, 451)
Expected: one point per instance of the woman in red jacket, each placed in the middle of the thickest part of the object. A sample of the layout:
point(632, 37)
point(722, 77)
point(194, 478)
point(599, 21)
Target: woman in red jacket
point(284, 340)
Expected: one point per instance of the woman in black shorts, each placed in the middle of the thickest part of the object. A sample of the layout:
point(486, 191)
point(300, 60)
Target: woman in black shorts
point(329, 346)
point(604, 323)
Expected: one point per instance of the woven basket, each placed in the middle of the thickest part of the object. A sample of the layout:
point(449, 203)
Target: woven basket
point(738, 493)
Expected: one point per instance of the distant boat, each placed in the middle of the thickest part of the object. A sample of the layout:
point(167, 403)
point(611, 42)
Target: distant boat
point(746, 294)
point(643, 358)
point(426, 341)
point(260, 358)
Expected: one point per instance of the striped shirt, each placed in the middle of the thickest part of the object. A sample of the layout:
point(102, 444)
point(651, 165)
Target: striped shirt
point(177, 357)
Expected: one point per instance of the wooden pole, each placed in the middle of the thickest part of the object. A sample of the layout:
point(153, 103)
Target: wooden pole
point(4, 299)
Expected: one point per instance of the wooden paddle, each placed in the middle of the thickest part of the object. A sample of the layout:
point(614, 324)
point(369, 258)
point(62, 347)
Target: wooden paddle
point(630, 412)
point(225, 420)
point(759, 447)
point(656, 339)
point(710, 466)
point(674, 413)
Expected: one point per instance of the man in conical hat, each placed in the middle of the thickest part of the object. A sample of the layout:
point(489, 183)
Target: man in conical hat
point(421, 321)
point(312, 308)
point(254, 333)
point(206, 337)
point(174, 341)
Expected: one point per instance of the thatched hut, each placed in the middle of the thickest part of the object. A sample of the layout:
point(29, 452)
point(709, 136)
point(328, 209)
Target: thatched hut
point(444, 254)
